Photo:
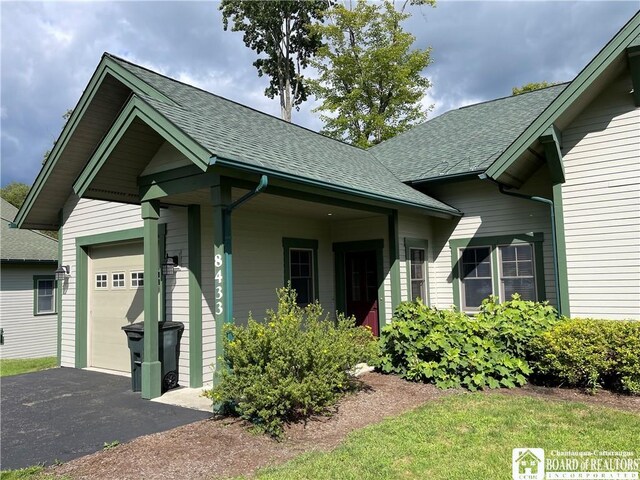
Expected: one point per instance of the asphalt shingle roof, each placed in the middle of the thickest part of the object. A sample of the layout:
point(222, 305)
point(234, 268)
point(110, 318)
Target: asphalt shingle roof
point(235, 132)
point(23, 245)
point(465, 140)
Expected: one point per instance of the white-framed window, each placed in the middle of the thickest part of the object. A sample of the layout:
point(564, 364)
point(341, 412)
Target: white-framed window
point(517, 272)
point(45, 295)
point(101, 281)
point(137, 279)
point(418, 267)
point(301, 274)
point(476, 278)
point(118, 280)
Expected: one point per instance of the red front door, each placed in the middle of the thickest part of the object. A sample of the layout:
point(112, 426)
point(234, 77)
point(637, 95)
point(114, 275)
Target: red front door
point(362, 288)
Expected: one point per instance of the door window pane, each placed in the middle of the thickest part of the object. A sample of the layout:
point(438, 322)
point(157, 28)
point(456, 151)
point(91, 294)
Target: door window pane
point(475, 276)
point(517, 273)
point(418, 273)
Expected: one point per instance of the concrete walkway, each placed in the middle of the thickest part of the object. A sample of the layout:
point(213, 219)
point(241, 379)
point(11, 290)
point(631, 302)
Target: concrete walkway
point(65, 413)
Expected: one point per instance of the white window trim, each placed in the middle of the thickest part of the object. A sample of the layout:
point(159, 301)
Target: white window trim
point(533, 269)
point(106, 281)
point(124, 279)
point(53, 297)
point(131, 285)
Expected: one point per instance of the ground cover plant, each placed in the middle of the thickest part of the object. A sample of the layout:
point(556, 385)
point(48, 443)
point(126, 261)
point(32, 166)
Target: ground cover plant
point(295, 364)
point(465, 436)
point(452, 349)
point(591, 354)
point(12, 366)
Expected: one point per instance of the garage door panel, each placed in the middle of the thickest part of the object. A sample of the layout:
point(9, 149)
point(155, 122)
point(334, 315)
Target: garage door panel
point(114, 303)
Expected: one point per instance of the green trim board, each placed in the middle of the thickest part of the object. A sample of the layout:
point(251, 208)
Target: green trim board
point(633, 56)
point(107, 66)
point(394, 259)
point(60, 289)
point(82, 285)
point(301, 243)
point(415, 243)
point(235, 164)
point(551, 142)
point(339, 249)
point(562, 282)
point(138, 108)
point(162, 253)
point(576, 88)
point(194, 240)
point(536, 239)
point(36, 280)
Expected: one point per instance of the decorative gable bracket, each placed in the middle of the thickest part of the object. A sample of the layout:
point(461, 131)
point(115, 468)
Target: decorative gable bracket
point(550, 140)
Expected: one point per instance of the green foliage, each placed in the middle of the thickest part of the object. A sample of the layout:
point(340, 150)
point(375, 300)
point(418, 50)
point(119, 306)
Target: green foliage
point(281, 30)
point(530, 87)
point(452, 349)
point(590, 353)
point(295, 364)
point(15, 193)
point(17, 366)
point(110, 445)
point(369, 78)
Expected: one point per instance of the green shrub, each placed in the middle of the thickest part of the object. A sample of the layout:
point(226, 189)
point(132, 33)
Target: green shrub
point(295, 364)
point(590, 353)
point(452, 349)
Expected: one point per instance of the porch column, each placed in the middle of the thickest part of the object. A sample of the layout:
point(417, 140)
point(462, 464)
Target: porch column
point(151, 368)
point(222, 266)
point(394, 260)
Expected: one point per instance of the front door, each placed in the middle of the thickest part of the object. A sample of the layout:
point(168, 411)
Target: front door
point(362, 288)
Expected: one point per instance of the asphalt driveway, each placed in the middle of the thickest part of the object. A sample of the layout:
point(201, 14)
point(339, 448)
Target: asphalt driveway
point(65, 413)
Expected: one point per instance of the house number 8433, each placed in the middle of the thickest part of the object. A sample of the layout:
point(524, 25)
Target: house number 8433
point(217, 261)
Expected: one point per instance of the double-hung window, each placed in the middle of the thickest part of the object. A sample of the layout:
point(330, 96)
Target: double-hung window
point(45, 295)
point(475, 276)
point(301, 268)
point(417, 265)
point(517, 272)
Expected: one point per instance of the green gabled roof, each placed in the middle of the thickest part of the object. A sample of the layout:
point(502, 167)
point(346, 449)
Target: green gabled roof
point(247, 137)
point(23, 245)
point(463, 141)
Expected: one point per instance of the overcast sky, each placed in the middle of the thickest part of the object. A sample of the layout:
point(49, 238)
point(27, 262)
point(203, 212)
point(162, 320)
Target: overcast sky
point(480, 51)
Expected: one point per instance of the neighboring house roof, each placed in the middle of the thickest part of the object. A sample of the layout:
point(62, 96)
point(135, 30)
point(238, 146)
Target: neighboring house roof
point(18, 245)
point(248, 138)
point(463, 141)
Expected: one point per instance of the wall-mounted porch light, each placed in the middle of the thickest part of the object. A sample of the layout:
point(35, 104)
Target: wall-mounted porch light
point(62, 272)
point(169, 265)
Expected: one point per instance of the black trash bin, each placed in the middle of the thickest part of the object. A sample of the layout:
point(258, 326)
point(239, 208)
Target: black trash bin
point(169, 336)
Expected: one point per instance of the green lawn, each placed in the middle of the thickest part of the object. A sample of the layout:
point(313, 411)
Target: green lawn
point(464, 437)
point(25, 365)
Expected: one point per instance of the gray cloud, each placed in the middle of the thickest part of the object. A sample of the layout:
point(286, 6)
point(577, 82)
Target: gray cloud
point(480, 50)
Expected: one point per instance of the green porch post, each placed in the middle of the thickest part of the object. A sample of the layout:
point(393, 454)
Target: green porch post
point(394, 260)
point(151, 368)
point(223, 281)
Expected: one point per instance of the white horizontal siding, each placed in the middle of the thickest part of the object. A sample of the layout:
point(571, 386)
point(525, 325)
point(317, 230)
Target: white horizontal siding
point(487, 212)
point(25, 335)
point(601, 199)
point(84, 217)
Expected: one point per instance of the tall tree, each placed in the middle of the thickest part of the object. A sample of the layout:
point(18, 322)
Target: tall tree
point(369, 77)
point(281, 30)
point(15, 193)
point(530, 87)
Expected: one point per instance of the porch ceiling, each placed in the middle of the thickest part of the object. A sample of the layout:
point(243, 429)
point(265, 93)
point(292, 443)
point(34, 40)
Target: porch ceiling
point(274, 204)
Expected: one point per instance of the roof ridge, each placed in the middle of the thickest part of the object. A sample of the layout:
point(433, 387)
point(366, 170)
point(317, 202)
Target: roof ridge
point(231, 101)
point(520, 95)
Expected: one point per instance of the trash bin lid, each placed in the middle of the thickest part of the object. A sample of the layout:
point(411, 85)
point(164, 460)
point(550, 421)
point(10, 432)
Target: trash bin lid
point(134, 327)
point(171, 326)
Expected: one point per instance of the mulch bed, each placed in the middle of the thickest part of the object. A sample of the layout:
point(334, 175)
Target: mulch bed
point(225, 448)
point(222, 448)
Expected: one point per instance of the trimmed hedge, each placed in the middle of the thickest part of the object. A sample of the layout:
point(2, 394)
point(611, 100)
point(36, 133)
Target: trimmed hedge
point(589, 353)
point(452, 349)
point(296, 364)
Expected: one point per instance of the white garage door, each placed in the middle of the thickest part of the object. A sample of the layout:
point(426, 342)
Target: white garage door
point(116, 293)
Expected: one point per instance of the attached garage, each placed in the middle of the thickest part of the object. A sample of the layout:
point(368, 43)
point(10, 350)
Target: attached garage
point(116, 281)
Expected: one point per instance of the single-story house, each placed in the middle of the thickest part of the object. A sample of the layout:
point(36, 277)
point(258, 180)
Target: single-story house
point(28, 293)
point(536, 194)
